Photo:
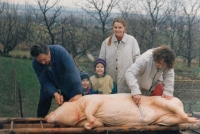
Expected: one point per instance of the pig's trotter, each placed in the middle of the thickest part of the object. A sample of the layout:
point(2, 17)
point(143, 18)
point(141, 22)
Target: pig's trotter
point(89, 125)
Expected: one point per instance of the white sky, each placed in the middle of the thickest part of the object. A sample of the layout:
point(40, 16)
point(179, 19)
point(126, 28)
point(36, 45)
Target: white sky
point(68, 3)
point(65, 2)
point(71, 2)
point(62, 2)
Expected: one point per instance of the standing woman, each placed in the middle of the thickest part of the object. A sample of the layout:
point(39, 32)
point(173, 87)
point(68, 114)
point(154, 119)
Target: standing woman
point(119, 51)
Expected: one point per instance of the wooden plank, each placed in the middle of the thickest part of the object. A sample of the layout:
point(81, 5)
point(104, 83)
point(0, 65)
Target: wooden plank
point(27, 125)
point(21, 120)
point(185, 126)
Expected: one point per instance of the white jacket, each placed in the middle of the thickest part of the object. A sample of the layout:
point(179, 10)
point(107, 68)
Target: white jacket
point(119, 57)
point(143, 74)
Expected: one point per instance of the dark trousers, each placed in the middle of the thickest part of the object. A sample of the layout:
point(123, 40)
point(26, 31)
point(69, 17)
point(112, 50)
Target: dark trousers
point(45, 102)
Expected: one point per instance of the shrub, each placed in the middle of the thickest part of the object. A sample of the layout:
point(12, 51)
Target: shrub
point(24, 57)
point(17, 56)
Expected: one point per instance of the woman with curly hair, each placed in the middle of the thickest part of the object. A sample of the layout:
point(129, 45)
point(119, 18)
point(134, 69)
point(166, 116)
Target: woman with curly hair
point(152, 73)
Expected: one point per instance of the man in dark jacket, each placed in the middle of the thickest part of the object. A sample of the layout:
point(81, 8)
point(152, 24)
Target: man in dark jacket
point(55, 70)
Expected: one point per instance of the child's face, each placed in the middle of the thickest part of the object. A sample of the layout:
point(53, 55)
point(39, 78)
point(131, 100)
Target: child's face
point(85, 83)
point(100, 69)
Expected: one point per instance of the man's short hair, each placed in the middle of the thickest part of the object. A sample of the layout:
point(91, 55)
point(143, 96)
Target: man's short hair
point(39, 49)
point(164, 53)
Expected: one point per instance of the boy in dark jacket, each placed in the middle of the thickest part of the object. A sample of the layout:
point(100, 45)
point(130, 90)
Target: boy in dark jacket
point(85, 79)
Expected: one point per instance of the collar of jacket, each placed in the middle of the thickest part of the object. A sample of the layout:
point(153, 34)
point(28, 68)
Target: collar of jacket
point(124, 39)
point(52, 56)
point(86, 91)
point(102, 76)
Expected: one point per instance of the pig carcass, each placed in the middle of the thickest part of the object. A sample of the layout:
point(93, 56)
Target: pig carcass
point(119, 110)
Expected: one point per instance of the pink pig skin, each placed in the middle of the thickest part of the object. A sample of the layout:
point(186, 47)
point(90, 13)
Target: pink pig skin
point(92, 111)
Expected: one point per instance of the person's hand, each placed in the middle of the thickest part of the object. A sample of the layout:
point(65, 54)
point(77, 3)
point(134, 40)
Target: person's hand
point(58, 98)
point(76, 97)
point(137, 98)
point(167, 97)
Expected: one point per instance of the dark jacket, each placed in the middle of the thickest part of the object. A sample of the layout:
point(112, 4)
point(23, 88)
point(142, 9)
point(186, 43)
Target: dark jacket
point(63, 74)
point(87, 91)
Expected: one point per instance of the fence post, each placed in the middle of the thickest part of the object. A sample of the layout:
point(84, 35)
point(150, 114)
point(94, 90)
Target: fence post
point(20, 99)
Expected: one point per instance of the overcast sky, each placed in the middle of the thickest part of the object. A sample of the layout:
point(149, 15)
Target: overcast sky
point(63, 2)
point(71, 2)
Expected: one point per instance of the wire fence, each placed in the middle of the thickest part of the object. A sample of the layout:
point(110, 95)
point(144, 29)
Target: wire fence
point(189, 93)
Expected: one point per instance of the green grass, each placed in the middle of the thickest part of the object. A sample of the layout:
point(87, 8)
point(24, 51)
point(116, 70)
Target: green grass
point(26, 79)
point(29, 85)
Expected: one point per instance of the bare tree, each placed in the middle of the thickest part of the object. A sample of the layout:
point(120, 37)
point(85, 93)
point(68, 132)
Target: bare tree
point(149, 17)
point(48, 17)
point(172, 26)
point(14, 28)
point(100, 11)
point(78, 37)
point(190, 12)
point(132, 15)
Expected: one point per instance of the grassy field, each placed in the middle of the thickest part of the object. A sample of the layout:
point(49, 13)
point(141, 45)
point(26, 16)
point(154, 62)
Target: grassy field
point(29, 85)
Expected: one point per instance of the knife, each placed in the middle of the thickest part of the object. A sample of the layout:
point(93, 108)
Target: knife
point(141, 112)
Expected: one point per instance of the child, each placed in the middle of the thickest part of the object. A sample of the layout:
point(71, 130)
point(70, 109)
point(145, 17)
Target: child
point(101, 82)
point(85, 79)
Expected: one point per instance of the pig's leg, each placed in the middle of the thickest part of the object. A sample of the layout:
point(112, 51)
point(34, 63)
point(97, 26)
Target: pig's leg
point(175, 106)
point(85, 124)
point(172, 119)
point(89, 126)
point(90, 109)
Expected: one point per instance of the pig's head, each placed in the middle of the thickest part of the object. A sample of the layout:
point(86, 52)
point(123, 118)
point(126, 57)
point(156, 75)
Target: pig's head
point(50, 118)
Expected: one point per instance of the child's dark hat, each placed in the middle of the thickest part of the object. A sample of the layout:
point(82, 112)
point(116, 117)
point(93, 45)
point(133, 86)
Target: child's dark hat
point(84, 75)
point(99, 60)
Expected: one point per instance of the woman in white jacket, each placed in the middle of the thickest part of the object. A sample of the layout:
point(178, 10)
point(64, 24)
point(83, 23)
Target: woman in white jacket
point(153, 71)
point(119, 51)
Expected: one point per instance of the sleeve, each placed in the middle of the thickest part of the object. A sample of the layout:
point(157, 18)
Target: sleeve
point(111, 83)
point(168, 81)
point(136, 50)
point(43, 79)
point(72, 72)
point(92, 80)
point(102, 53)
point(131, 74)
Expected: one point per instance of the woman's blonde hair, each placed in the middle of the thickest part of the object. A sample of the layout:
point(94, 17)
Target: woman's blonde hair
point(120, 20)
